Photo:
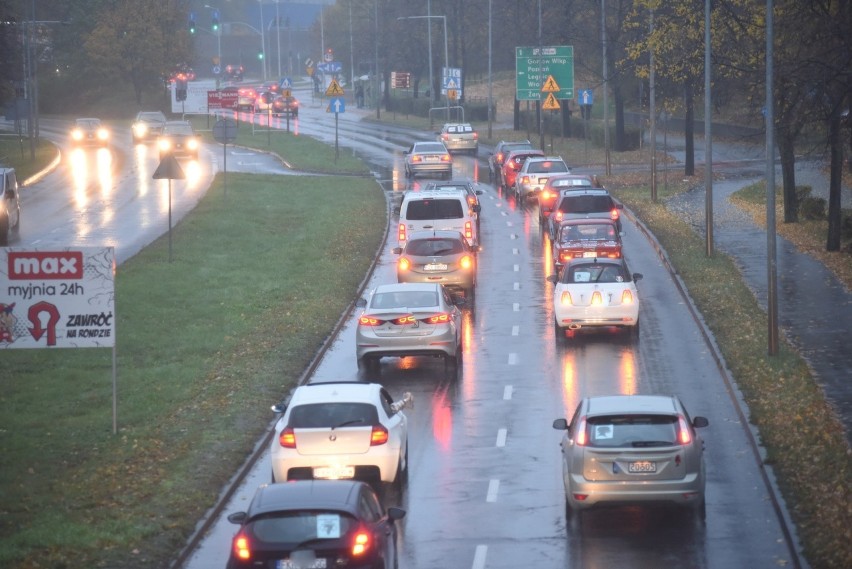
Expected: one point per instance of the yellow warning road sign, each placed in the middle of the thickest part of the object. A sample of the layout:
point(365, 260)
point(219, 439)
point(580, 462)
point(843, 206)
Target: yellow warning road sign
point(550, 85)
point(551, 103)
point(334, 89)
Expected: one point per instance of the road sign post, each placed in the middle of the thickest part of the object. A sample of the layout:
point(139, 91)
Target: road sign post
point(336, 105)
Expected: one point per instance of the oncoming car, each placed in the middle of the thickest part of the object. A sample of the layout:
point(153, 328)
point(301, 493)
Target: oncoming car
point(147, 125)
point(178, 139)
point(632, 449)
point(315, 524)
point(595, 294)
point(428, 158)
point(341, 430)
point(409, 319)
point(89, 132)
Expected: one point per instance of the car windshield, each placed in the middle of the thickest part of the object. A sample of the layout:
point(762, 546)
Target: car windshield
point(332, 415)
point(540, 166)
point(301, 527)
point(585, 204)
point(405, 299)
point(177, 129)
point(434, 247)
point(429, 148)
point(632, 431)
point(594, 273)
point(152, 117)
point(587, 231)
point(88, 123)
point(419, 210)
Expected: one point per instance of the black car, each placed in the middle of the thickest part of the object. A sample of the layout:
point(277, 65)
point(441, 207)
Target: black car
point(315, 523)
point(583, 203)
point(178, 139)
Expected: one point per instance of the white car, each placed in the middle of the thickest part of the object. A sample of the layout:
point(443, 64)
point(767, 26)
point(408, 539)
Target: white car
point(534, 174)
point(341, 430)
point(595, 293)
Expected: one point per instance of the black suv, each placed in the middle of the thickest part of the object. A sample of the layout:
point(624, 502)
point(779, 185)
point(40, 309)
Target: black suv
point(583, 203)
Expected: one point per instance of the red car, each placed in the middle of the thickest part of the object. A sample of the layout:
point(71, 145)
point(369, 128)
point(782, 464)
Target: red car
point(585, 238)
point(550, 192)
point(512, 164)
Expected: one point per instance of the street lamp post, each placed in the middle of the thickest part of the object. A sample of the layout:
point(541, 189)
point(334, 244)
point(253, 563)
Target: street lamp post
point(262, 41)
point(489, 69)
point(278, 33)
point(218, 43)
point(446, 53)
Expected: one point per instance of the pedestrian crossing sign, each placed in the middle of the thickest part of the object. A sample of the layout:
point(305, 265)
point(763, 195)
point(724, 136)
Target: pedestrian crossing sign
point(551, 103)
point(334, 89)
point(550, 85)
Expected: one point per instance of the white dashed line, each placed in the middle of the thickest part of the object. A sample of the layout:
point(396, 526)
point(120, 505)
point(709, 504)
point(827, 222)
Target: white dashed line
point(507, 392)
point(516, 307)
point(515, 251)
point(517, 268)
point(515, 330)
point(517, 286)
point(501, 438)
point(513, 236)
point(493, 487)
point(513, 359)
point(479, 557)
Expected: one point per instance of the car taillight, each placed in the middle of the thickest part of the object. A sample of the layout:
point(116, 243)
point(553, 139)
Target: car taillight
point(241, 547)
point(369, 321)
point(475, 136)
point(401, 232)
point(566, 298)
point(471, 200)
point(614, 214)
point(513, 166)
point(580, 437)
point(626, 297)
point(446, 158)
point(410, 319)
point(437, 319)
point(546, 195)
point(597, 299)
point(287, 438)
point(466, 262)
point(558, 215)
point(403, 264)
point(468, 230)
point(416, 158)
point(379, 436)
point(565, 255)
point(445, 136)
point(360, 543)
point(525, 180)
point(683, 435)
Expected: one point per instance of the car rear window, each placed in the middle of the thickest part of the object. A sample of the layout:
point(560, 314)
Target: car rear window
point(405, 299)
point(585, 204)
point(437, 208)
point(435, 148)
point(302, 526)
point(427, 247)
point(632, 431)
point(586, 231)
point(571, 183)
point(594, 273)
point(538, 167)
point(332, 415)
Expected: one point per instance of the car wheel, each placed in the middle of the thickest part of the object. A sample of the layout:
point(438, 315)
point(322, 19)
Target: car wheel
point(634, 332)
point(4, 232)
point(560, 333)
point(573, 518)
point(699, 511)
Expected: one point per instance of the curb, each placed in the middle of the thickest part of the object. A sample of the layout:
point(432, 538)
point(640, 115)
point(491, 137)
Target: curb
point(46, 170)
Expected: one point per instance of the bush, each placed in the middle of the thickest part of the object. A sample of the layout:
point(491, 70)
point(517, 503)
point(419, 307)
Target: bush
point(846, 224)
point(812, 208)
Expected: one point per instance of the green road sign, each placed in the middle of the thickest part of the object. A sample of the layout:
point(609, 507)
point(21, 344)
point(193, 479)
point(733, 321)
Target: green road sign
point(533, 66)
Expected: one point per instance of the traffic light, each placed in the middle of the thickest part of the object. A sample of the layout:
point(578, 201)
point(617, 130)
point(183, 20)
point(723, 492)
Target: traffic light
point(216, 21)
point(260, 54)
point(192, 23)
point(180, 89)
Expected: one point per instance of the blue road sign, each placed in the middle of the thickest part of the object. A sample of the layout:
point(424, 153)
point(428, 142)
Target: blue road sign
point(286, 83)
point(337, 105)
point(585, 97)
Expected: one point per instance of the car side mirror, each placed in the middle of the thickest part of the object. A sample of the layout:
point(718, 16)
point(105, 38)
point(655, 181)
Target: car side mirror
point(278, 408)
point(361, 303)
point(552, 279)
point(238, 518)
point(637, 276)
point(560, 425)
point(619, 206)
point(395, 513)
point(621, 234)
point(396, 250)
point(479, 192)
point(699, 422)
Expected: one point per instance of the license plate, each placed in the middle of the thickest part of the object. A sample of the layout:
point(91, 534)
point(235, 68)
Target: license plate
point(642, 466)
point(334, 472)
point(435, 267)
point(433, 158)
point(318, 563)
point(589, 254)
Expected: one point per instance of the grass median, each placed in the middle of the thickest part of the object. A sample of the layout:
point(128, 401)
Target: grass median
point(205, 344)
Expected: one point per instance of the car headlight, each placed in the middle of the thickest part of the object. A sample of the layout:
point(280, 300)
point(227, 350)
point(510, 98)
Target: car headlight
point(192, 144)
point(103, 133)
point(140, 129)
point(164, 144)
point(77, 134)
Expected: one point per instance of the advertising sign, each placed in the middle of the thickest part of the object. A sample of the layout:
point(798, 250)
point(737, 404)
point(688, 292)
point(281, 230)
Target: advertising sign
point(62, 297)
point(221, 100)
point(196, 97)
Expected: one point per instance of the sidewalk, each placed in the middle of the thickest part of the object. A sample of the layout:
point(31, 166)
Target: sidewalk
point(814, 307)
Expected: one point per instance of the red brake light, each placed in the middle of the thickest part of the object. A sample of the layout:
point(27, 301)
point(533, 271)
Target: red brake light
point(683, 435)
point(360, 543)
point(475, 135)
point(513, 166)
point(379, 436)
point(241, 547)
point(416, 158)
point(446, 158)
point(499, 157)
point(546, 195)
point(558, 215)
point(403, 264)
point(445, 136)
point(525, 180)
point(438, 318)
point(369, 321)
point(287, 438)
point(580, 438)
point(614, 214)
point(468, 230)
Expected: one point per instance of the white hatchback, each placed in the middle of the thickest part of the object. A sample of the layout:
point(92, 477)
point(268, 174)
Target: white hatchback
point(341, 430)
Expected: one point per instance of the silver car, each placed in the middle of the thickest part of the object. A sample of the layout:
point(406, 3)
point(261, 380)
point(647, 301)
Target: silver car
point(409, 319)
point(428, 158)
point(632, 449)
point(438, 257)
point(459, 137)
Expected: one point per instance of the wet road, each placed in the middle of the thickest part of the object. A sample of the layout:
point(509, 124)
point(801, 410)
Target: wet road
point(485, 486)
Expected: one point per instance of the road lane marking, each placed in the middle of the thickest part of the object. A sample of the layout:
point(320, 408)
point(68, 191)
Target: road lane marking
point(513, 236)
point(479, 557)
point(501, 438)
point(517, 268)
point(515, 330)
point(516, 307)
point(517, 286)
point(507, 392)
point(515, 251)
point(493, 487)
point(513, 359)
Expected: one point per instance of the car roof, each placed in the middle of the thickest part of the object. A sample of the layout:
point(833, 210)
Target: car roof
point(595, 261)
point(395, 287)
point(615, 404)
point(433, 193)
point(327, 392)
point(306, 494)
point(435, 233)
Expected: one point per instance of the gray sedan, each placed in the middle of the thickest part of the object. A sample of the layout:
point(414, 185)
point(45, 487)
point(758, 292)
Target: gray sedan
point(428, 158)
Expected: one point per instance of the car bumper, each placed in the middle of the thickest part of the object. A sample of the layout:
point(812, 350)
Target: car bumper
point(461, 145)
point(456, 279)
point(686, 491)
point(441, 342)
point(290, 465)
point(587, 316)
point(430, 168)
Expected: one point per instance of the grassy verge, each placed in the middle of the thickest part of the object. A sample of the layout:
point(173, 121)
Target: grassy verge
point(205, 344)
point(808, 235)
point(15, 153)
point(303, 153)
point(805, 442)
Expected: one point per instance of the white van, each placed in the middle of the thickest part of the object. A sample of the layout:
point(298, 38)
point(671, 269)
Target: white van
point(446, 209)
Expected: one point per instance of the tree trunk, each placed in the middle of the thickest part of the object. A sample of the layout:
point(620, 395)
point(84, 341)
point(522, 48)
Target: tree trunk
point(836, 169)
point(788, 175)
point(689, 130)
point(516, 114)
